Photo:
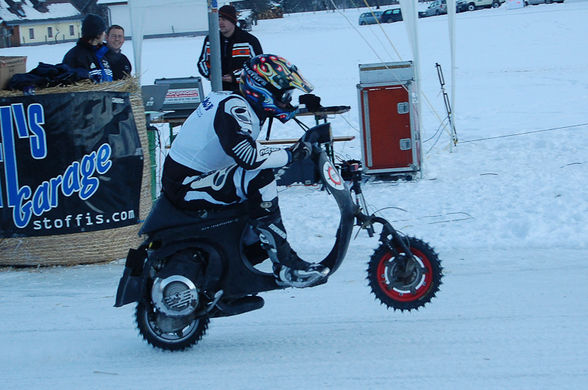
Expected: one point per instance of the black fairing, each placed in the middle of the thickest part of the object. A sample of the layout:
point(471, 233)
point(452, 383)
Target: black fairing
point(130, 287)
point(217, 236)
point(335, 184)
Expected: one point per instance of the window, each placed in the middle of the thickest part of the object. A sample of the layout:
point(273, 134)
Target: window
point(50, 32)
point(71, 30)
point(31, 33)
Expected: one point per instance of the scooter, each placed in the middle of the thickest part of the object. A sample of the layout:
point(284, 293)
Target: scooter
point(195, 266)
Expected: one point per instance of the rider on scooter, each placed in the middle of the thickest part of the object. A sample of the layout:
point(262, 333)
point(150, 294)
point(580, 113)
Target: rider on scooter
point(215, 160)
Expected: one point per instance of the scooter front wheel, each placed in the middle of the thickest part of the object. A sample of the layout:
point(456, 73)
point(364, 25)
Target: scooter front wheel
point(169, 333)
point(405, 282)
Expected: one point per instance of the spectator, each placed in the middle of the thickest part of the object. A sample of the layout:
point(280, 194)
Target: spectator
point(119, 63)
point(237, 46)
point(88, 55)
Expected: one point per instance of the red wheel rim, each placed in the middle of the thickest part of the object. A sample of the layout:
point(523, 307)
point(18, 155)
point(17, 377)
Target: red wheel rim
point(422, 286)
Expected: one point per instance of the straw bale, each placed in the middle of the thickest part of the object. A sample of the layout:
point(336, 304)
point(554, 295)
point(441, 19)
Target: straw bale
point(88, 247)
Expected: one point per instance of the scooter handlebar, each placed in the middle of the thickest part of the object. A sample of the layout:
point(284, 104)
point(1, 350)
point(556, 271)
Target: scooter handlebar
point(318, 135)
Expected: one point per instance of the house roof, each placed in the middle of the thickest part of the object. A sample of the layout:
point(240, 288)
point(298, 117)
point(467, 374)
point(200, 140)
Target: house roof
point(27, 14)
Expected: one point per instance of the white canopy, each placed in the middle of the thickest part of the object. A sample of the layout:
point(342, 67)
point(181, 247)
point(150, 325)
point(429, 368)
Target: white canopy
point(192, 14)
point(410, 17)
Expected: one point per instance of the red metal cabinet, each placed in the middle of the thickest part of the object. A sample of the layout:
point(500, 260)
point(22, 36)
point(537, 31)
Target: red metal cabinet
point(390, 134)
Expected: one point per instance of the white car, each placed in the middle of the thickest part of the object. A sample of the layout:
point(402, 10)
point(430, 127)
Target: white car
point(370, 17)
point(477, 4)
point(439, 7)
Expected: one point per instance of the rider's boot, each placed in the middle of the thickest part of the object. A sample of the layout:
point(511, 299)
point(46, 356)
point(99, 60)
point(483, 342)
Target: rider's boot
point(290, 270)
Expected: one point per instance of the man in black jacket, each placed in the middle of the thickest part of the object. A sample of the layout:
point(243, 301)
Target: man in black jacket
point(237, 46)
point(88, 55)
point(119, 63)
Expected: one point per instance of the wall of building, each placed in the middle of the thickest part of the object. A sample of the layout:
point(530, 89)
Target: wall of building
point(164, 20)
point(63, 31)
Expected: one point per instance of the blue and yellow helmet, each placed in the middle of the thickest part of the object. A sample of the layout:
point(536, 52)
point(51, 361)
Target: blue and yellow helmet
point(268, 81)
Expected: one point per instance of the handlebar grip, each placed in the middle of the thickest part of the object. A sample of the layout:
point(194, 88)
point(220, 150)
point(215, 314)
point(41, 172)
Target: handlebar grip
point(319, 134)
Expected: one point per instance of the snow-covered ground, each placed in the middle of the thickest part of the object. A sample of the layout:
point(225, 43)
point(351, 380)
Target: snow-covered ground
point(507, 211)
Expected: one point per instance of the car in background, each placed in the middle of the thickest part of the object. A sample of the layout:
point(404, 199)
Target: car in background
point(439, 7)
point(461, 6)
point(535, 2)
point(244, 24)
point(473, 5)
point(246, 19)
point(391, 15)
point(370, 17)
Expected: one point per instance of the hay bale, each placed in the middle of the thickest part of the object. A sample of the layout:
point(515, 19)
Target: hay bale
point(89, 247)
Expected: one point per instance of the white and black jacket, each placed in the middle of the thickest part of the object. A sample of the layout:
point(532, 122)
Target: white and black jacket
point(223, 132)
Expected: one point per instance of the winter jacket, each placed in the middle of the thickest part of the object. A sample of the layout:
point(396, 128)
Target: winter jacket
point(235, 50)
point(119, 63)
point(46, 75)
point(91, 59)
point(222, 132)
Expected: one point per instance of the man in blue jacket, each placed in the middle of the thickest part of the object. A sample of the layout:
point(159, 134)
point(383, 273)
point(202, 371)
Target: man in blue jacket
point(89, 52)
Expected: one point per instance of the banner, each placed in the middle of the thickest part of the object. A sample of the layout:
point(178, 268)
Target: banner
point(69, 163)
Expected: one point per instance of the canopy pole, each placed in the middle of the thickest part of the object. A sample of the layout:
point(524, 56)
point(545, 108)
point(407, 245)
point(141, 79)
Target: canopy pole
point(214, 41)
point(451, 10)
point(136, 15)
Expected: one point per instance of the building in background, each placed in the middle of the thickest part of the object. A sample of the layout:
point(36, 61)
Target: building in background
point(36, 22)
point(165, 19)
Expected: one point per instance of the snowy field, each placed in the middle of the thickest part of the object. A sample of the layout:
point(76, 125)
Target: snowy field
point(507, 211)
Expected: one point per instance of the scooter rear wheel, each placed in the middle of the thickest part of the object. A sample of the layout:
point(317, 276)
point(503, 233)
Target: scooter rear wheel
point(402, 282)
point(172, 334)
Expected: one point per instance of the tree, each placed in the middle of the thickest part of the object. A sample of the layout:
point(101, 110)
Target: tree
point(259, 6)
point(89, 7)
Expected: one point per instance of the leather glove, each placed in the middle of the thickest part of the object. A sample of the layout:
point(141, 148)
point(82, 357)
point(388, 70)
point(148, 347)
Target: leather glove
point(312, 102)
point(299, 151)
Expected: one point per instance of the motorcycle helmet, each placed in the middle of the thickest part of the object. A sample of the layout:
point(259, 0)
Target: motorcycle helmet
point(268, 81)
